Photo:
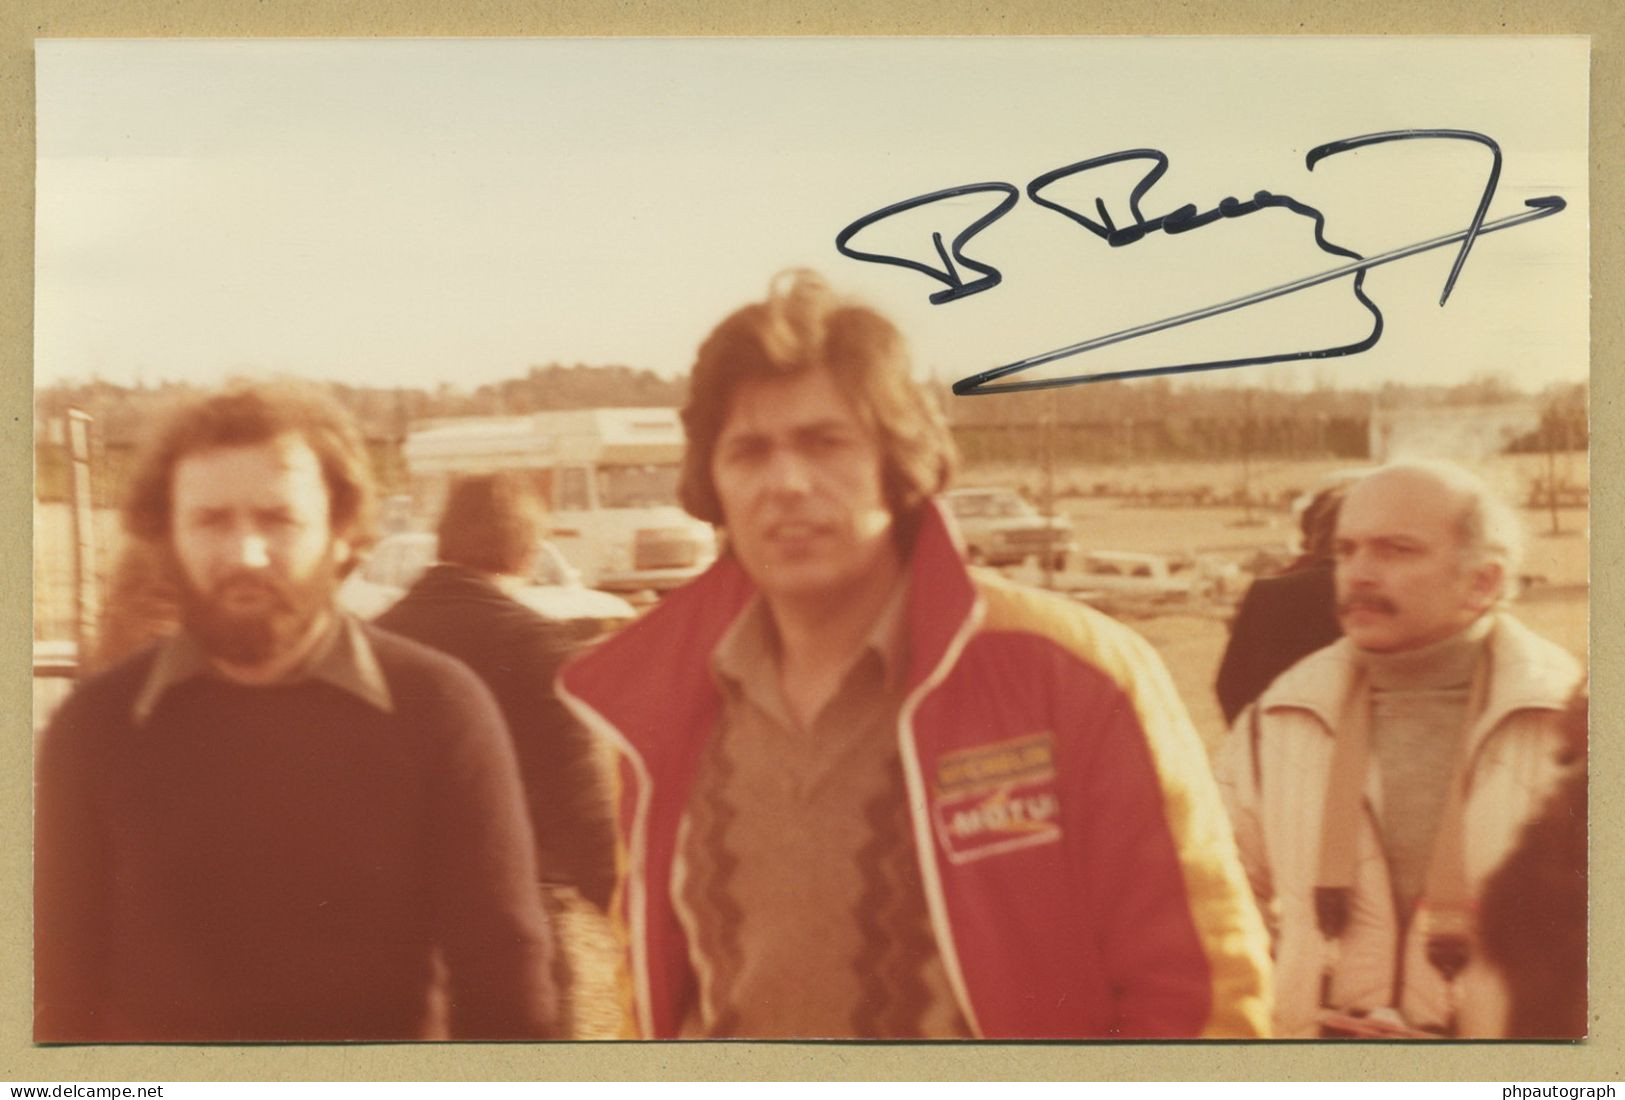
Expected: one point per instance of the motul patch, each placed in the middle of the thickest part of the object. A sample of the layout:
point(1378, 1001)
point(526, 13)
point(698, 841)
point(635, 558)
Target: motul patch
point(996, 798)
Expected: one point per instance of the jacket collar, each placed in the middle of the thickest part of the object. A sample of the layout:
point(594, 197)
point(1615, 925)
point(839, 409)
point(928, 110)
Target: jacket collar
point(344, 658)
point(444, 578)
point(675, 640)
point(942, 594)
point(1527, 672)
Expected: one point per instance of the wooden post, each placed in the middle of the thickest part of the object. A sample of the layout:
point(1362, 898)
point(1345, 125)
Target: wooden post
point(1551, 468)
point(1049, 481)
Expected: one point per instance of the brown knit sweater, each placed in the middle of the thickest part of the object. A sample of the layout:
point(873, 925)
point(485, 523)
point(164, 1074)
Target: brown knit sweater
point(797, 880)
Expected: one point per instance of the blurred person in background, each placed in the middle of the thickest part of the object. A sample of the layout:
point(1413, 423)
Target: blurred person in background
point(141, 606)
point(866, 792)
point(1377, 783)
point(1284, 618)
point(278, 823)
point(1533, 918)
point(488, 537)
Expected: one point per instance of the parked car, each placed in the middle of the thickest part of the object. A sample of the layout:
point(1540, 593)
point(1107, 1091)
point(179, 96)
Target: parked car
point(1123, 574)
point(555, 589)
point(1001, 528)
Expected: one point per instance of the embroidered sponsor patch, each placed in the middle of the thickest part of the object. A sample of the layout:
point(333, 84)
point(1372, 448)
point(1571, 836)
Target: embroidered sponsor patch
point(995, 798)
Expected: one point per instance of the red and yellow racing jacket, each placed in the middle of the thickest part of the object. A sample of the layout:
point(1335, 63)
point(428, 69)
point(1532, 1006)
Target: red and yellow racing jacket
point(1078, 866)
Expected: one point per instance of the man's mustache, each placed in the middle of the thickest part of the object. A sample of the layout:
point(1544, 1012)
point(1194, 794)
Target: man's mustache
point(1367, 603)
point(255, 581)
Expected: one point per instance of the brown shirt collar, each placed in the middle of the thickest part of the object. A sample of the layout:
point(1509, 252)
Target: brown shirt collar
point(344, 658)
point(749, 652)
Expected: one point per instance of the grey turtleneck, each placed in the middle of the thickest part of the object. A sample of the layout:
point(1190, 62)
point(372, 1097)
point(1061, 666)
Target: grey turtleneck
point(1418, 716)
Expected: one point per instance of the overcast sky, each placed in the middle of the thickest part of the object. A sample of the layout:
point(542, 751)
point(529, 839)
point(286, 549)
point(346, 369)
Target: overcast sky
point(420, 212)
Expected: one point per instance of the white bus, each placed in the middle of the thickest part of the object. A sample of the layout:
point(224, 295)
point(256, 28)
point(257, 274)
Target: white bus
point(609, 477)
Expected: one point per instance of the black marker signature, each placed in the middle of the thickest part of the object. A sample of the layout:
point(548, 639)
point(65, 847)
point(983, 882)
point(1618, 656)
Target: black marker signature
point(957, 287)
point(1185, 219)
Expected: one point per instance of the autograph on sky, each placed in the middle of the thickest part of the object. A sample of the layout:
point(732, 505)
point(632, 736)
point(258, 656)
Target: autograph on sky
point(1185, 219)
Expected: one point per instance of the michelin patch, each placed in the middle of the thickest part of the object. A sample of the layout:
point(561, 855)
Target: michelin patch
point(997, 798)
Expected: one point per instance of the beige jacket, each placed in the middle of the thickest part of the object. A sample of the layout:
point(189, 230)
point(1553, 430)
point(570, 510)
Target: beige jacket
point(1273, 775)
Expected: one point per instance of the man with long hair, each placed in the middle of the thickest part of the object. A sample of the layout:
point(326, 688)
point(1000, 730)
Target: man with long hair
point(278, 824)
point(868, 793)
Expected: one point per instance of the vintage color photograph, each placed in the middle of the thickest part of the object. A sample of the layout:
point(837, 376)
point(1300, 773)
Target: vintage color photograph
point(822, 539)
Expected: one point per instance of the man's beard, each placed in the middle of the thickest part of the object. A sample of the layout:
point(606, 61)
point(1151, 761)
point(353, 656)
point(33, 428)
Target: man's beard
point(254, 637)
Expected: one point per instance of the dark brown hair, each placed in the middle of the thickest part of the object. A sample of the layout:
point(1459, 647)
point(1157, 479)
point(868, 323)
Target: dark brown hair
point(1532, 916)
point(804, 326)
point(1319, 523)
point(249, 413)
point(492, 523)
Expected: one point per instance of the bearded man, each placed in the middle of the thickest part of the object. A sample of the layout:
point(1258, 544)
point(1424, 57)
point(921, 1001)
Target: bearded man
point(278, 824)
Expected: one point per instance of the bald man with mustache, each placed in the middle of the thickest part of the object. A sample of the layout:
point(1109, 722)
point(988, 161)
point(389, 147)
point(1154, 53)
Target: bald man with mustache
point(1377, 783)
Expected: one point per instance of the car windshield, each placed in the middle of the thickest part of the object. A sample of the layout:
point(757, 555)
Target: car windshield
point(637, 486)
